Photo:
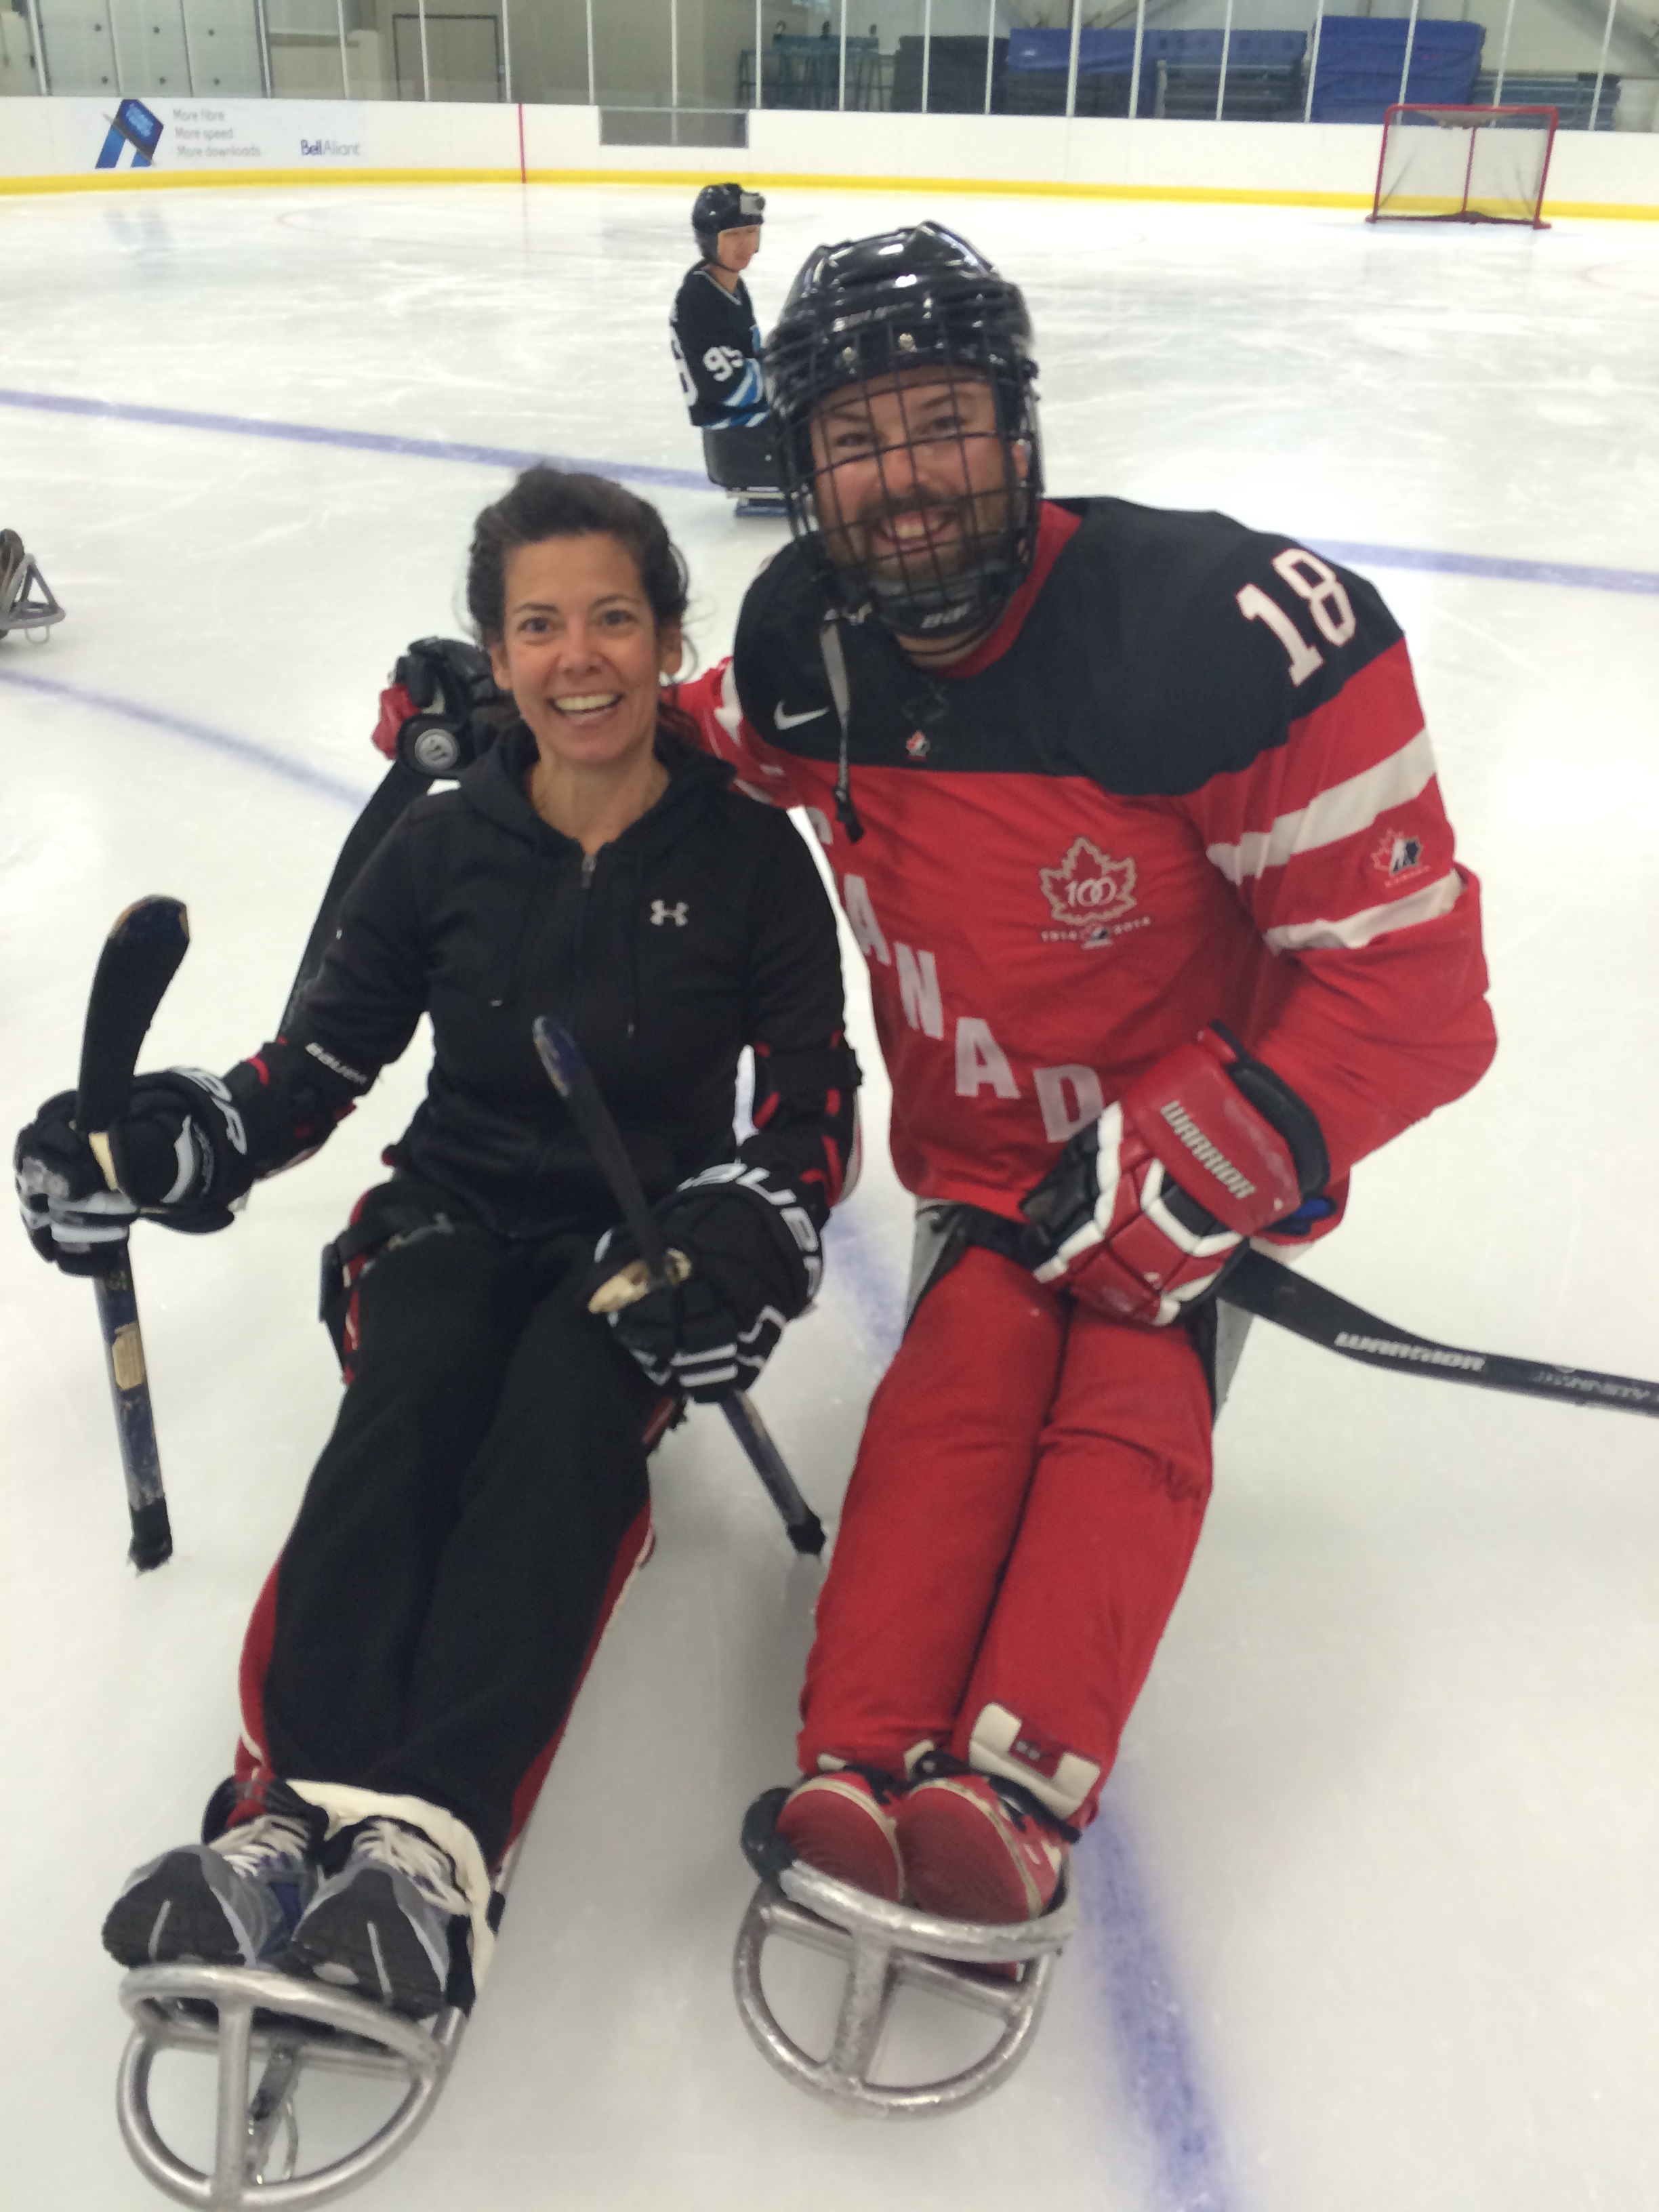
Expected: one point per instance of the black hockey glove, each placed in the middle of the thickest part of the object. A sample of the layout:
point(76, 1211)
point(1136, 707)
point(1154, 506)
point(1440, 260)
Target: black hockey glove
point(755, 1262)
point(442, 707)
point(72, 1216)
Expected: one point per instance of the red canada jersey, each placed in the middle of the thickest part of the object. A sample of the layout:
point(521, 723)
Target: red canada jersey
point(1185, 779)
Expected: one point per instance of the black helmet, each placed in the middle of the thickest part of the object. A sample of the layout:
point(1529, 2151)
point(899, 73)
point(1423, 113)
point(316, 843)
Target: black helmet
point(723, 207)
point(857, 314)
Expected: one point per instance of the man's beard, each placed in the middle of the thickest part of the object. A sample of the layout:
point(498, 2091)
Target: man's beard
point(924, 564)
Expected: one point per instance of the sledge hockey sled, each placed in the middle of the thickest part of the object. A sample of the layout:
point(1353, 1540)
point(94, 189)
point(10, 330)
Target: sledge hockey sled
point(26, 599)
point(887, 1947)
point(241, 2014)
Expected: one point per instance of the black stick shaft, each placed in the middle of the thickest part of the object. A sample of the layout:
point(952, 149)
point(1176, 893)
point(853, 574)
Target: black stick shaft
point(140, 958)
point(1277, 1293)
point(571, 1078)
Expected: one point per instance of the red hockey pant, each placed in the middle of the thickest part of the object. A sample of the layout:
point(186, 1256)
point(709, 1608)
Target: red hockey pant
point(1028, 1493)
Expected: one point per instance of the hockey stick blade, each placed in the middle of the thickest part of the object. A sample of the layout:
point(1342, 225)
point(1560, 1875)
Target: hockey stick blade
point(571, 1078)
point(140, 958)
point(1267, 1288)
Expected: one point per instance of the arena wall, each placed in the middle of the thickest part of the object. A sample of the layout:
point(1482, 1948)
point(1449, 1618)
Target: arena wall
point(56, 145)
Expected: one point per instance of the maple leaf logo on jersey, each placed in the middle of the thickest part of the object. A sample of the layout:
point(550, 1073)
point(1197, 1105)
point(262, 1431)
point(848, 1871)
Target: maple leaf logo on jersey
point(1088, 885)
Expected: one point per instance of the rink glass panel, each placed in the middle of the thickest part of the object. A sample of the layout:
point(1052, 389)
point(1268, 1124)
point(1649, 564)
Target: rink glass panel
point(684, 72)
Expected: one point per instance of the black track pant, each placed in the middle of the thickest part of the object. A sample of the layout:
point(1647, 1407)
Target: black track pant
point(464, 1536)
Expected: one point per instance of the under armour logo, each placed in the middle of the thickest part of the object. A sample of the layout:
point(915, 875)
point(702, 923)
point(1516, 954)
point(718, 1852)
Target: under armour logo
point(661, 911)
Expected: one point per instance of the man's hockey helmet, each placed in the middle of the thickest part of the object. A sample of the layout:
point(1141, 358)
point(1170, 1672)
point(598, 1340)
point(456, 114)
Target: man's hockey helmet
point(723, 207)
point(859, 313)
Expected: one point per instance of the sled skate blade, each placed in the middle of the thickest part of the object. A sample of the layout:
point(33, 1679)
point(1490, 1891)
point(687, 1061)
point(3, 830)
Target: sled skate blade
point(886, 1947)
point(237, 2014)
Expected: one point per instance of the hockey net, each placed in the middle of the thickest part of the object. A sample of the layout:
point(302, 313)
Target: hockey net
point(1464, 165)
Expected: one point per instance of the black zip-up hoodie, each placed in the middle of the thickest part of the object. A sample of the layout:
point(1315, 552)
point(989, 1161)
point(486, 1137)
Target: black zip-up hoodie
point(704, 927)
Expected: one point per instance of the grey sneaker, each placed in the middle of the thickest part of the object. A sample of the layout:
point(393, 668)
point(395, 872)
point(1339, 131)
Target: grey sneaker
point(393, 1925)
point(230, 1903)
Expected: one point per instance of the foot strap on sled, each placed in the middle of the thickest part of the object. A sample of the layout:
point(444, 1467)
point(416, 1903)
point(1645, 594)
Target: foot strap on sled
point(887, 1947)
point(289, 2025)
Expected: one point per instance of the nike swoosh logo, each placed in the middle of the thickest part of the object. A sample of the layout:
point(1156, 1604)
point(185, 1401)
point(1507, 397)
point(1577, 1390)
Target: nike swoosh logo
point(783, 721)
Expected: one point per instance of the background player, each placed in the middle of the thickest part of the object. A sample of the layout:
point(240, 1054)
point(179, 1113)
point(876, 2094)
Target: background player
point(1135, 819)
point(483, 1500)
point(717, 342)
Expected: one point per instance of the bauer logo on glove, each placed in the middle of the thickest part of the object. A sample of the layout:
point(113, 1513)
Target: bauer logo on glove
point(744, 1260)
point(1148, 1207)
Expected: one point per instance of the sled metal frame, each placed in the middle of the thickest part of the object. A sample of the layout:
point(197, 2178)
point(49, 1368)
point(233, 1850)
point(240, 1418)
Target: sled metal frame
point(289, 2025)
point(28, 603)
point(760, 505)
point(888, 1948)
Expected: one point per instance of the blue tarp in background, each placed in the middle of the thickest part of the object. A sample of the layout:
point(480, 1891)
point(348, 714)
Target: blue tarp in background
point(1358, 76)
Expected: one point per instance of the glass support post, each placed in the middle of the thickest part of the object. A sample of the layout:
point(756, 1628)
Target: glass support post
point(1601, 65)
point(592, 88)
point(1504, 56)
point(759, 102)
point(927, 48)
point(426, 73)
point(1134, 66)
point(43, 84)
point(507, 51)
point(262, 32)
point(990, 51)
point(840, 83)
point(1226, 48)
point(674, 72)
point(345, 72)
point(1313, 57)
point(1071, 63)
point(1410, 40)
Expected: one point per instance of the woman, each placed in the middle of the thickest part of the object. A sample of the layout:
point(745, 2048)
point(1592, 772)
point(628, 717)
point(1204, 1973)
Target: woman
point(482, 1499)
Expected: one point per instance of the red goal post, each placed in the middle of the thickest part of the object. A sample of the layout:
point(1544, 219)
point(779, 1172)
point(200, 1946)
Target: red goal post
point(1463, 164)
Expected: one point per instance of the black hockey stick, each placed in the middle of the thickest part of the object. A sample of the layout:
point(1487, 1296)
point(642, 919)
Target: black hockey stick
point(397, 791)
point(140, 958)
point(1277, 1293)
point(573, 1079)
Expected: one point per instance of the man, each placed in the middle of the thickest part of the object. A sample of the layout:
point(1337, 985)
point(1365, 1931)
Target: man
point(717, 341)
point(1134, 817)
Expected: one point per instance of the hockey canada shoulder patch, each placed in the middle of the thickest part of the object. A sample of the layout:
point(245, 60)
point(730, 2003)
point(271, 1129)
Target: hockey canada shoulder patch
point(1092, 894)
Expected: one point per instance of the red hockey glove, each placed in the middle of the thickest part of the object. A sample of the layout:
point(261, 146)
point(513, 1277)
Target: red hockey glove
point(1144, 1209)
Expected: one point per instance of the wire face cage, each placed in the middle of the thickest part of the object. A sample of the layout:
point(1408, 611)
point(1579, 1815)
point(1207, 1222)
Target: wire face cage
point(1464, 165)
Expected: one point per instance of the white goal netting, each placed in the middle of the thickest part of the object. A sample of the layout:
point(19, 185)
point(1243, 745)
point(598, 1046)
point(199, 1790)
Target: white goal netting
point(1464, 164)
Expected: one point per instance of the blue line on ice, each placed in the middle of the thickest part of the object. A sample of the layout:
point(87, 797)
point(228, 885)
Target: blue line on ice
point(199, 733)
point(367, 441)
point(1495, 567)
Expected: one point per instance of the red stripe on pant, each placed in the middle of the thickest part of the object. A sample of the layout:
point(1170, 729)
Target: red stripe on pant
point(1028, 1493)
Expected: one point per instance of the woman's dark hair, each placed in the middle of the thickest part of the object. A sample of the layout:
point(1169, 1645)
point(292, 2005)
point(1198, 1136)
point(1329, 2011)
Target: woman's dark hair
point(547, 502)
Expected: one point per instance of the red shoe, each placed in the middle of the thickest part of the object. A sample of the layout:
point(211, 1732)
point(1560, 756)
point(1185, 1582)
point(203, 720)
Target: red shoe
point(840, 1824)
point(974, 1850)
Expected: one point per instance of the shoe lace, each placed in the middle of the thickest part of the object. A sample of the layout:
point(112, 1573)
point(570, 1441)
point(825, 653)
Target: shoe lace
point(409, 1850)
point(258, 1846)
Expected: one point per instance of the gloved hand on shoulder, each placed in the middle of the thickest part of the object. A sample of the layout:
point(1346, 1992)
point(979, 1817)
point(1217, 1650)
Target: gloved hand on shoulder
point(755, 1261)
point(1148, 1205)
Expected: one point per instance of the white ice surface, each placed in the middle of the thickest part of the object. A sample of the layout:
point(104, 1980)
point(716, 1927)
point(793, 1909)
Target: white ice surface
point(1372, 1922)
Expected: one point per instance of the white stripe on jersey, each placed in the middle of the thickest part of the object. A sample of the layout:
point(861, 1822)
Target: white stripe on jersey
point(1357, 929)
point(1334, 814)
